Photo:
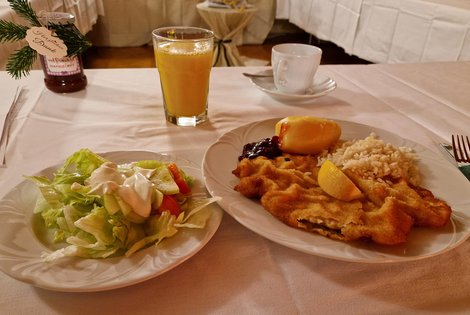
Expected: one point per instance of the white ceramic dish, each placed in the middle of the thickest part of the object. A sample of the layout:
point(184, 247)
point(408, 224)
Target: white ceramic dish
point(321, 86)
point(20, 248)
point(442, 178)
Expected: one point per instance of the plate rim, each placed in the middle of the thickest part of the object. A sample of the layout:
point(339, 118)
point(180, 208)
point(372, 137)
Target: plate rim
point(209, 231)
point(399, 259)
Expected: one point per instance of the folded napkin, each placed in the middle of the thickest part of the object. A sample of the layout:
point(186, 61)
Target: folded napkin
point(446, 149)
point(465, 169)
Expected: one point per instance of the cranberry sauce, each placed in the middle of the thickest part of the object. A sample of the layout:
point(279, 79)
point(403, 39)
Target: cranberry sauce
point(268, 147)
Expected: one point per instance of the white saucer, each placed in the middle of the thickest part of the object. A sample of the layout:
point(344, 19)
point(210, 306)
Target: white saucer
point(321, 85)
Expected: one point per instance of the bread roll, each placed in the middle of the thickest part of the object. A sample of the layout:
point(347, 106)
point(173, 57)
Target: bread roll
point(306, 135)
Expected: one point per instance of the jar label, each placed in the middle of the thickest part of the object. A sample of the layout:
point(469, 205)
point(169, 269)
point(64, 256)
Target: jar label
point(62, 66)
point(45, 42)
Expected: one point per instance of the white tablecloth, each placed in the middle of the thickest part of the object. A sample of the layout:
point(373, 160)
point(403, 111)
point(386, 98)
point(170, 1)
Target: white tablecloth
point(387, 31)
point(228, 26)
point(239, 271)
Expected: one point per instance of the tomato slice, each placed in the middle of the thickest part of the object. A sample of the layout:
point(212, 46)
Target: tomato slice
point(179, 180)
point(170, 204)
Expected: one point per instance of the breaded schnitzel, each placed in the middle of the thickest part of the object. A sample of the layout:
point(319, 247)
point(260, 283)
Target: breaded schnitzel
point(288, 189)
point(419, 203)
point(259, 175)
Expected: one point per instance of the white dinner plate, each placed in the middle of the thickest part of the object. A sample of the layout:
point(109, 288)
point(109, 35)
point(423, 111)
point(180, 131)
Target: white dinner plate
point(21, 248)
point(442, 178)
point(321, 85)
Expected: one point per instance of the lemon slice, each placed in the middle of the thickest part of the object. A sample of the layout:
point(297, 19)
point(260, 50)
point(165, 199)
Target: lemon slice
point(336, 184)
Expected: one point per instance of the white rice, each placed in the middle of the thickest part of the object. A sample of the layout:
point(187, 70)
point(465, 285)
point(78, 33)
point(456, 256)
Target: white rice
point(375, 159)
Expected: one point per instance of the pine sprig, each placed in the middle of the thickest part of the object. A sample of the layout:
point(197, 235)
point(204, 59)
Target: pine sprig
point(10, 32)
point(21, 61)
point(23, 8)
point(74, 40)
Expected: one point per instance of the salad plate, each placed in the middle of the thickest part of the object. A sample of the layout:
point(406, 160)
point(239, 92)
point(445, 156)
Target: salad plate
point(321, 86)
point(22, 247)
point(439, 176)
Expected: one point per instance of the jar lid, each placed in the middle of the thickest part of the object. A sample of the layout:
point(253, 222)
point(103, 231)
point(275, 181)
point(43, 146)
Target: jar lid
point(56, 18)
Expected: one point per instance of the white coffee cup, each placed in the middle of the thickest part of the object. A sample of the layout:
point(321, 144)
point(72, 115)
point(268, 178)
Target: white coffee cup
point(294, 67)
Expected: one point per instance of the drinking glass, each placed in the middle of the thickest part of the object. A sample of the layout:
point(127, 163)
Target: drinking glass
point(184, 60)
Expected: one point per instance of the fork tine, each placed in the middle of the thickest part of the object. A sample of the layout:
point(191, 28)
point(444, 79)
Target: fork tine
point(461, 148)
point(455, 149)
point(466, 149)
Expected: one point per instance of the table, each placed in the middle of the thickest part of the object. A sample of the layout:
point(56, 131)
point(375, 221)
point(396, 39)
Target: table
point(407, 31)
point(124, 25)
point(239, 271)
point(227, 25)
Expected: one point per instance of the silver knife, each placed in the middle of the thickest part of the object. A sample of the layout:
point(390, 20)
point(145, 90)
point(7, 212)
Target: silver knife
point(446, 149)
point(9, 118)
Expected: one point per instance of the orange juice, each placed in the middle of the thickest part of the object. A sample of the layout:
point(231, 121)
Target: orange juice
point(184, 71)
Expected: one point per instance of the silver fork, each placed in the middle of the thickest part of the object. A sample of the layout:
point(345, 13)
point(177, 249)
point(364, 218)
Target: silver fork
point(461, 147)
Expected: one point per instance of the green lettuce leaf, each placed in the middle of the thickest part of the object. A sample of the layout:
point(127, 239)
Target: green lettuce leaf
point(93, 228)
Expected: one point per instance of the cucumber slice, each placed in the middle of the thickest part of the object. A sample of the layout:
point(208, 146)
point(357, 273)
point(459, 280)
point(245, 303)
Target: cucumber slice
point(164, 182)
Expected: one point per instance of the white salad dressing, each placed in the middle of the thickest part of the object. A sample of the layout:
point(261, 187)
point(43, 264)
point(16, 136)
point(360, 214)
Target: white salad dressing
point(105, 179)
point(135, 190)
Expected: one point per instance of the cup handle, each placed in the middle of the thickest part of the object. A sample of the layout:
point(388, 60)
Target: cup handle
point(281, 71)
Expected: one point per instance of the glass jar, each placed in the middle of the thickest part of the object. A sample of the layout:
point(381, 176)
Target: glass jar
point(62, 75)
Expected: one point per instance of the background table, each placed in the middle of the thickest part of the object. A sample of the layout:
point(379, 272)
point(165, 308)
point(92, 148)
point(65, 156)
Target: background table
point(227, 24)
point(239, 271)
point(407, 31)
point(130, 23)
